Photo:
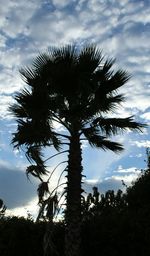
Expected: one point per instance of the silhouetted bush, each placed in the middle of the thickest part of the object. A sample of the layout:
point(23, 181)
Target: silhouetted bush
point(118, 224)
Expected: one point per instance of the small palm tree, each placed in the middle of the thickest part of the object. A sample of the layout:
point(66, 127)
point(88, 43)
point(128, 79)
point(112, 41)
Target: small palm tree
point(79, 90)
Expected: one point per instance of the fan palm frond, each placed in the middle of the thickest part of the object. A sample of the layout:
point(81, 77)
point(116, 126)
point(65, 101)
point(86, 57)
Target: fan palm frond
point(101, 104)
point(36, 170)
point(103, 143)
point(117, 80)
point(18, 111)
point(104, 72)
point(113, 126)
point(63, 54)
point(34, 133)
point(34, 153)
point(40, 62)
point(89, 59)
point(28, 75)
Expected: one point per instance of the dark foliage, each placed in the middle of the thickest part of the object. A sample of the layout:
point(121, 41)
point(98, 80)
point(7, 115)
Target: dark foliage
point(117, 224)
point(19, 237)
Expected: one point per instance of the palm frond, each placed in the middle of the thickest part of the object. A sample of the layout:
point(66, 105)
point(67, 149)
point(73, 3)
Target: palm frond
point(113, 126)
point(41, 61)
point(90, 131)
point(104, 72)
point(34, 133)
point(29, 75)
point(102, 104)
point(23, 99)
point(37, 76)
point(110, 103)
point(66, 54)
point(34, 153)
point(33, 104)
point(42, 190)
point(103, 143)
point(89, 59)
point(18, 111)
point(36, 171)
point(117, 80)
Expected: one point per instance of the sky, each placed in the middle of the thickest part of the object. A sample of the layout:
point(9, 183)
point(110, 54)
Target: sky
point(122, 30)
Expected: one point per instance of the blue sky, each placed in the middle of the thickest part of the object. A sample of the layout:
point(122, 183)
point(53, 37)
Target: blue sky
point(122, 30)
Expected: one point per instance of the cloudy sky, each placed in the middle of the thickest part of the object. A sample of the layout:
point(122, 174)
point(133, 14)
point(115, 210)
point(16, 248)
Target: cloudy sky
point(122, 30)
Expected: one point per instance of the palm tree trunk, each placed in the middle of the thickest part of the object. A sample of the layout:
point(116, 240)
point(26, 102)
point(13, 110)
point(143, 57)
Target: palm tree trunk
point(73, 211)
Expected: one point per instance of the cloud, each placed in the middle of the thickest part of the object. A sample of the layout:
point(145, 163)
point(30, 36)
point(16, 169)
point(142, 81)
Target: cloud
point(107, 184)
point(146, 116)
point(2, 41)
point(102, 186)
point(113, 182)
point(98, 163)
point(61, 4)
point(131, 170)
point(16, 16)
point(15, 189)
point(127, 179)
point(29, 208)
point(142, 143)
point(116, 29)
point(138, 155)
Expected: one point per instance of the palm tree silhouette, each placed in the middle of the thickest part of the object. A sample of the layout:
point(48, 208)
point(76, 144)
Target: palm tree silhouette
point(78, 89)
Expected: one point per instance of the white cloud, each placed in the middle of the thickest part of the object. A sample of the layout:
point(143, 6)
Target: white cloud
point(146, 116)
point(113, 182)
point(142, 143)
point(2, 41)
point(127, 179)
point(29, 208)
point(16, 191)
point(138, 155)
point(136, 95)
point(131, 170)
point(10, 58)
point(100, 162)
point(16, 17)
point(80, 5)
point(91, 181)
point(4, 103)
point(116, 29)
point(62, 3)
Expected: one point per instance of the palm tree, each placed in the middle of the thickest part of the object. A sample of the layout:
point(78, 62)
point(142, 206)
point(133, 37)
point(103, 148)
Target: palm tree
point(79, 90)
